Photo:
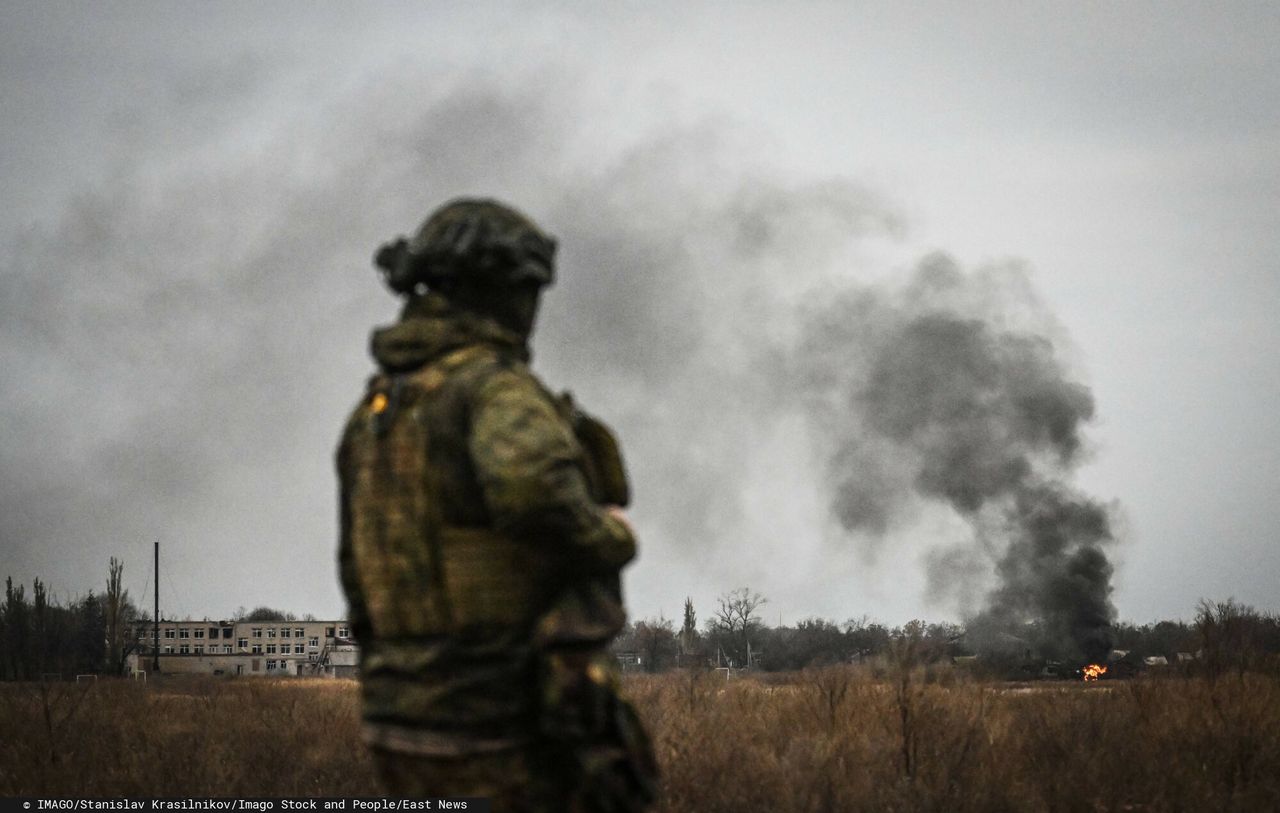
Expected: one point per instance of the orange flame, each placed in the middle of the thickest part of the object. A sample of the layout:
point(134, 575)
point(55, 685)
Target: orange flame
point(1094, 671)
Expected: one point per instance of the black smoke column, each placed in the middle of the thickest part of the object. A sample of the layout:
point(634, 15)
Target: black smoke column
point(951, 389)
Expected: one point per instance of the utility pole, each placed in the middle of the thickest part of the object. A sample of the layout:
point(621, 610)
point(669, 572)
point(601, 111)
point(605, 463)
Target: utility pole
point(155, 637)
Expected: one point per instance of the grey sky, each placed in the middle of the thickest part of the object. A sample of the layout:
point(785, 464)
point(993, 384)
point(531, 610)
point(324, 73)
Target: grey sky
point(192, 193)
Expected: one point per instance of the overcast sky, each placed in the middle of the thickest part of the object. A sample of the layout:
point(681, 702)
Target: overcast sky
point(192, 193)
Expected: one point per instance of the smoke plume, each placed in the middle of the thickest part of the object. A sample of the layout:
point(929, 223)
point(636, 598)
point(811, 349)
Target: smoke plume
point(951, 389)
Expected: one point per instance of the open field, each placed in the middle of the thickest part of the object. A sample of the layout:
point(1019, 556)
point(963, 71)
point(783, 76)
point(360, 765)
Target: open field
point(830, 740)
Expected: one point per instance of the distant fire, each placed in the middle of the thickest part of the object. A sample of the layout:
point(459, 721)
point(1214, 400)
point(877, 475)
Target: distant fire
point(1094, 671)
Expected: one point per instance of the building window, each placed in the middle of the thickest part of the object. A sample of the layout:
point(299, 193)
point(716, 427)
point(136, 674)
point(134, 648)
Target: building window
point(257, 649)
point(213, 632)
point(184, 649)
point(271, 665)
point(328, 632)
point(299, 632)
point(226, 632)
point(184, 633)
point(199, 648)
point(271, 649)
point(242, 643)
point(314, 643)
point(169, 633)
point(271, 632)
point(256, 632)
point(284, 632)
point(168, 650)
point(200, 632)
point(297, 649)
point(255, 665)
point(344, 632)
point(226, 649)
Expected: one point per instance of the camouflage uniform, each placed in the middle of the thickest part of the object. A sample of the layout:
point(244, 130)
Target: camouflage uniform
point(481, 571)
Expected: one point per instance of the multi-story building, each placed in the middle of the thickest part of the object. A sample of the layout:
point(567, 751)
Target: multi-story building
point(249, 648)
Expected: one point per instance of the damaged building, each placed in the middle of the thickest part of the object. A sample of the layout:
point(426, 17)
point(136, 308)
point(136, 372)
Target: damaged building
point(262, 648)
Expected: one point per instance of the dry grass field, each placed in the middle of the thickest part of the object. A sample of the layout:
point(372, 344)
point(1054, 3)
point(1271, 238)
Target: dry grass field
point(830, 740)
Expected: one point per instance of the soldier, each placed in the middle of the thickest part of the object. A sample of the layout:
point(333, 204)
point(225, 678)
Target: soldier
point(482, 537)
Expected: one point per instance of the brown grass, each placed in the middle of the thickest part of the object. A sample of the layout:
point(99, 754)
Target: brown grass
point(835, 740)
point(252, 737)
point(829, 740)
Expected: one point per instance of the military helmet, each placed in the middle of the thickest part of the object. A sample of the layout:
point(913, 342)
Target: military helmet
point(476, 240)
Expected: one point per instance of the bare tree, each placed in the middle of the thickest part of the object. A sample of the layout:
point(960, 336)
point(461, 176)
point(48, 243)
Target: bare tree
point(17, 632)
point(656, 642)
point(119, 618)
point(735, 621)
point(689, 630)
point(41, 625)
point(1230, 636)
point(267, 614)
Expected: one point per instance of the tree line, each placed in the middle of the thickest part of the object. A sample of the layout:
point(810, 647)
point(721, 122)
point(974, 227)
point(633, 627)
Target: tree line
point(1223, 636)
point(93, 634)
point(40, 636)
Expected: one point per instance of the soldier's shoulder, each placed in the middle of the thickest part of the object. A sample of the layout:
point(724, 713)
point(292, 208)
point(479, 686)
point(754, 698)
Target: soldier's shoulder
point(504, 376)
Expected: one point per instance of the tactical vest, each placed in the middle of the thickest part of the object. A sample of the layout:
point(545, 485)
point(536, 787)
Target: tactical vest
point(420, 576)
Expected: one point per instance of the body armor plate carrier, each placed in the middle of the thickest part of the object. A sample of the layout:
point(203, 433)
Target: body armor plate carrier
point(419, 576)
